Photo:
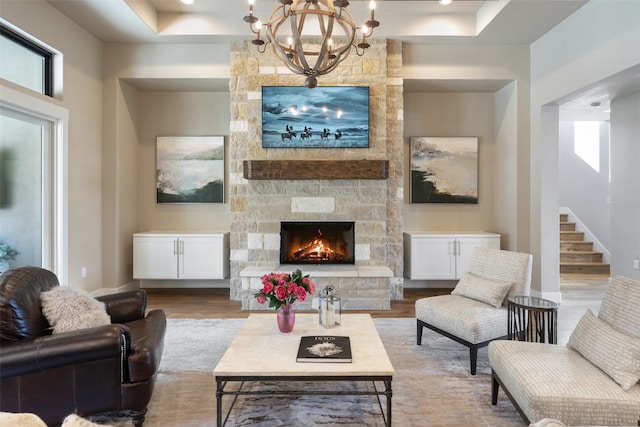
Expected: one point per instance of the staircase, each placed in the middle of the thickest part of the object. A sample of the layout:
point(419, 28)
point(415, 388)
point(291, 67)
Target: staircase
point(576, 254)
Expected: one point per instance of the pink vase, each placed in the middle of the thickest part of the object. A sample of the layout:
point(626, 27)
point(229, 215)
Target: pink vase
point(286, 318)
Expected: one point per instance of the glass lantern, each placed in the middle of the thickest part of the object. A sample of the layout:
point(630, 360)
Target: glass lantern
point(329, 308)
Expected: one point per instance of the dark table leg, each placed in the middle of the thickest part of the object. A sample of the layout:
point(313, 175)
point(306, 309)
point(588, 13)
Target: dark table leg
point(219, 393)
point(388, 393)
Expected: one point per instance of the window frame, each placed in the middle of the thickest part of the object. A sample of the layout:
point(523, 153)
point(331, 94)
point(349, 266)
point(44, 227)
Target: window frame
point(46, 55)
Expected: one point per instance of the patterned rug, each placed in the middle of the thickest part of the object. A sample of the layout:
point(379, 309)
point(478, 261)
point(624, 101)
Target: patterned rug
point(432, 385)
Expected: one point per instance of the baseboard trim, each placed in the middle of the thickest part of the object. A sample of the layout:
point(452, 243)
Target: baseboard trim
point(131, 286)
point(185, 284)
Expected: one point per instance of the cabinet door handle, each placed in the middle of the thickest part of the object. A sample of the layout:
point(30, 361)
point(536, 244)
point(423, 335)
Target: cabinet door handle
point(175, 246)
point(181, 247)
point(458, 244)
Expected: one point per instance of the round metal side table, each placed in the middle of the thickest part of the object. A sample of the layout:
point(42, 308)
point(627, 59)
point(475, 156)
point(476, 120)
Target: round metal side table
point(532, 319)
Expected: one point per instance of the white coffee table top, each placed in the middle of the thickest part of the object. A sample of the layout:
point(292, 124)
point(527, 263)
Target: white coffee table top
point(260, 349)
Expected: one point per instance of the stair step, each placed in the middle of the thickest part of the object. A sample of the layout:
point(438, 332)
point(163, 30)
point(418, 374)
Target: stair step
point(576, 254)
point(580, 256)
point(576, 246)
point(571, 236)
point(567, 226)
point(584, 268)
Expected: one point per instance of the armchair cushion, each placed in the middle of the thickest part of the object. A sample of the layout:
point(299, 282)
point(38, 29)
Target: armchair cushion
point(69, 309)
point(509, 266)
point(553, 381)
point(466, 318)
point(620, 305)
point(615, 353)
point(484, 290)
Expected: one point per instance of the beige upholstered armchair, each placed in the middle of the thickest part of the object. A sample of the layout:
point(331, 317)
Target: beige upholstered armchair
point(475, 312)
point(592, 381)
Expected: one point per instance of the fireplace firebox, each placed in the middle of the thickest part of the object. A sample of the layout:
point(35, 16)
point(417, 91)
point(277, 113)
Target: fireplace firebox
point(317, 242)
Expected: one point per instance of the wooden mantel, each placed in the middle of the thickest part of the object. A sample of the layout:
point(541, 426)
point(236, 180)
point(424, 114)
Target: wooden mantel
point(316, 169)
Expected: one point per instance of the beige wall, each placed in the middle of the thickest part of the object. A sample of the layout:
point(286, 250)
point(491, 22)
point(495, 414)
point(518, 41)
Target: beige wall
point(183, 114)
point(126, 111)
point(451, 114)
point(508, 165)
point(82, 96)
point(503, 72)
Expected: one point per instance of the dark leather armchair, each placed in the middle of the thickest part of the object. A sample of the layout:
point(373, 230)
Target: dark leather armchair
point(89, 371)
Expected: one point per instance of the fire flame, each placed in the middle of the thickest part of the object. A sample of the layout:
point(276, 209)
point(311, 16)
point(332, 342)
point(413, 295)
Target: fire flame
point(317, 249)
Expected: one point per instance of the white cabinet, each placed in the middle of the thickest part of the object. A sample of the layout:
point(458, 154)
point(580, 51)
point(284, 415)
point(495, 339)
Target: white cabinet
point(439, 256)
point(180, 256)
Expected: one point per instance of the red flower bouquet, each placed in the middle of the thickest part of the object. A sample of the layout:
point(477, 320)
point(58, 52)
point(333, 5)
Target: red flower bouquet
point(284, 288)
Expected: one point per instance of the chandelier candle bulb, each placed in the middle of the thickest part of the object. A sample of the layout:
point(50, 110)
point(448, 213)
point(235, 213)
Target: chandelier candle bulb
point(372, 6)
point(250, 19)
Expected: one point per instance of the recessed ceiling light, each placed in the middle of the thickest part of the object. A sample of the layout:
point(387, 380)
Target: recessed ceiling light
point(445, 2)
point(187, 1)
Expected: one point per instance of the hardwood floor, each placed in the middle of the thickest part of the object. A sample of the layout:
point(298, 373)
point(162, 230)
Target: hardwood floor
point(215, 303)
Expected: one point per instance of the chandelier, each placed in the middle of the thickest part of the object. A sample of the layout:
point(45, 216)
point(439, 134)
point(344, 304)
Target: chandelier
point(334, 24)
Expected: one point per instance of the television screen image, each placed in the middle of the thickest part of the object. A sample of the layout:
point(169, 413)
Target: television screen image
point(322, 117)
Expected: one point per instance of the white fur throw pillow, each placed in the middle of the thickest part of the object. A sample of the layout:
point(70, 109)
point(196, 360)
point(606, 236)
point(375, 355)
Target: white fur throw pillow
point(68, 309)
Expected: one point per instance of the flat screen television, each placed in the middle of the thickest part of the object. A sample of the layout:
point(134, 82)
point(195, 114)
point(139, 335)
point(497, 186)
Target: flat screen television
point(322, 117)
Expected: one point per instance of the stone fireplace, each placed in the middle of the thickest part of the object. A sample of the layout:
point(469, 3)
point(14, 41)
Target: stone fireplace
point(373, 204)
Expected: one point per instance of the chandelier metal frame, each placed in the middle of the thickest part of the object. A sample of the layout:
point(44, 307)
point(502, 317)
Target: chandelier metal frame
point(304, 57)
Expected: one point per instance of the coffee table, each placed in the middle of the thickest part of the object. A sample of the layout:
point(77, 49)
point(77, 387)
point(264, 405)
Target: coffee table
point(259, 338)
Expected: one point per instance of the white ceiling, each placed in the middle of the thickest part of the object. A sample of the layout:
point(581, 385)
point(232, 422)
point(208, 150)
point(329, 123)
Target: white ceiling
point(415, 21)
point(419, 21)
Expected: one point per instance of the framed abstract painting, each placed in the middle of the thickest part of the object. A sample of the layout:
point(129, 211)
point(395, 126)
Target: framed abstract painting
point(444, 169)
point(190, 169)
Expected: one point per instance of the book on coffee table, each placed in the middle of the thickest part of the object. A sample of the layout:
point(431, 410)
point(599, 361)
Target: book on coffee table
point(324, 348)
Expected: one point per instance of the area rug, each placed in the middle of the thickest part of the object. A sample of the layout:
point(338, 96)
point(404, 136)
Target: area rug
point(432, 385)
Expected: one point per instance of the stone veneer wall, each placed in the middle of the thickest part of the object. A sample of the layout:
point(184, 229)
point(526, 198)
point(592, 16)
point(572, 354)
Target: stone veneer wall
point(258, 206)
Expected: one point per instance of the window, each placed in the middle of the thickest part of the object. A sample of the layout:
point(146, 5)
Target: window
point(586, 143)
point(33, 212)
point(24, 62)
point(25, 218)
